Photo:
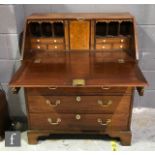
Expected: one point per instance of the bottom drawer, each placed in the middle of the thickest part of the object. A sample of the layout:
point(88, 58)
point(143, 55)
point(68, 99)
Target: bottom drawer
point(79, 122)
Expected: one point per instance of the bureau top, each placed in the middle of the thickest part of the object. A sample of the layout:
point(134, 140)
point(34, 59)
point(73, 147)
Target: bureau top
point(124, 15)
point(99, 49)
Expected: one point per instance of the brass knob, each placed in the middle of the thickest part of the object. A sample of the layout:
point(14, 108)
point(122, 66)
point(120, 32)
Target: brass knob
point(107, 122)
point(38, 40)
point(55, 47)
point(38, 47)
point(78, 117)
point(78, 98)
point(122, 40)
point(104, 40)
point(121, 46)
point(55, 41)
point(103, 47)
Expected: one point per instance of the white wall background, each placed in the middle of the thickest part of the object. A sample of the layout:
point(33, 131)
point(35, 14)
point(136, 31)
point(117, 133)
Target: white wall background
point(12, 20)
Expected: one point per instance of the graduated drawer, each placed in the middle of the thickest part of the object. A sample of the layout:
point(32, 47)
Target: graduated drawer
point(39, 46)
point(78, 122)
point(112, 40)
point(80, 104)
point(47, 40)
point(79, 90)
point(56, 47)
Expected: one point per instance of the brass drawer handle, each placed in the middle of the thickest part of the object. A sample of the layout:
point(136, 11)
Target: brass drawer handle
point(108, 121)
point(57, 102)
point(78, 98)
point(105, 88)
point(52, 88)
point(121, 61)
point(105, 103)
point(37, 60)
point(54, 123)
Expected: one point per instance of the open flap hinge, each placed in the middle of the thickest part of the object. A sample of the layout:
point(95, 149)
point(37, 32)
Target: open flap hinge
point(140, 91)
point(15, 90)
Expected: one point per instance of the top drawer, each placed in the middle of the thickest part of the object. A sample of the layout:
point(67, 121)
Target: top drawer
point(80, 91)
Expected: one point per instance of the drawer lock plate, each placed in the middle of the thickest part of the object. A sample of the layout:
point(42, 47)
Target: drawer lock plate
point(78, 82)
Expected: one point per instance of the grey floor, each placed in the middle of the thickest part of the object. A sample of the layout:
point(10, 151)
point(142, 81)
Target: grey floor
point(143, 129)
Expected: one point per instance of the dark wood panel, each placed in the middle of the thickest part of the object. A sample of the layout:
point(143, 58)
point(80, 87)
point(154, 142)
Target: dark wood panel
point(79, 104)
point(80, 122)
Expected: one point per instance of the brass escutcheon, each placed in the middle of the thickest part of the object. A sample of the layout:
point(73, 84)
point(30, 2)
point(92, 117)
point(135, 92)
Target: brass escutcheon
point(78, 98)
point(78, 82)
point(78, 117)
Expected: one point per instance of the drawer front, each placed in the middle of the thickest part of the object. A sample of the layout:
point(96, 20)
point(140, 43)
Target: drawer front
point(38, 46)
point(120, 46)
point(57, 40)
point(78, 91)
point(79, 122)
point(112, 40)
point(103, 46)
point(80, 104)
point(47, 40)
point(56, 47)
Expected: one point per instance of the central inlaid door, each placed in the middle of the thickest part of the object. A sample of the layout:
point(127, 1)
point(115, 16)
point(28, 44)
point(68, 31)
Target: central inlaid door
point(79, 32)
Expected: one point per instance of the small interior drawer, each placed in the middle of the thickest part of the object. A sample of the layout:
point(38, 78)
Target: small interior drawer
point(57, 40)
point(47, 40)
point(112, 40)
point(39, 46)
point(76, 122)
point(104, 46)
point(56, 47)
point(120, 46)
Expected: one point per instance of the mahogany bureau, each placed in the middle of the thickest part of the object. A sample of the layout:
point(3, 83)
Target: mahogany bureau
point(79, 72)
